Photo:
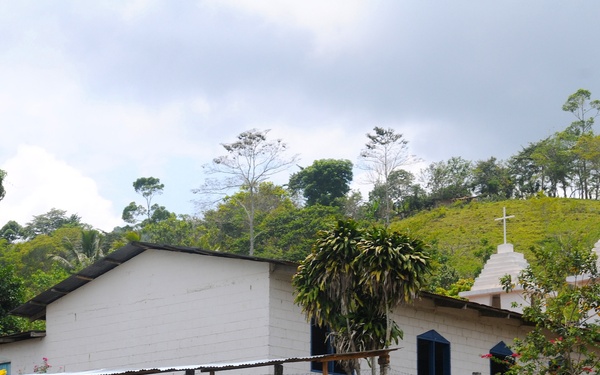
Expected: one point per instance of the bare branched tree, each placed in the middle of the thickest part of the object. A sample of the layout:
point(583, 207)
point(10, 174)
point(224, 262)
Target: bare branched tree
point(385, 152)
point(250, 160)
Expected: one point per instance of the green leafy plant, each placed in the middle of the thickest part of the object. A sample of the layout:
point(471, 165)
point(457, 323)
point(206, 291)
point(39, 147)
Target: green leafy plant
point(354, 278)
point(562, 292)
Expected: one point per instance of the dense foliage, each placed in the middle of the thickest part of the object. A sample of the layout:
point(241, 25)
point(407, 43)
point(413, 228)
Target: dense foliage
point(11, 296)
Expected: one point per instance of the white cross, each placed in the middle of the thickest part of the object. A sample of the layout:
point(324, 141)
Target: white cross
point(503, 218)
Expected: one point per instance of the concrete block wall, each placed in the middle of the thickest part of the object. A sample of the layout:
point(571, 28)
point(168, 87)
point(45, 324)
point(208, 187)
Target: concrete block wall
point(163, 308)
point(289, 330)
point(469, 334)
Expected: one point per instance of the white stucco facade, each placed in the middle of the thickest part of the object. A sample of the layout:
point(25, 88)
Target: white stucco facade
point(167, 308)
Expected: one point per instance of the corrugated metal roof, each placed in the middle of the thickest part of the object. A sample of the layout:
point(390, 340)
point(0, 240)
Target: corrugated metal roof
point(208, 367)
point(22, 336)
point(36, 307)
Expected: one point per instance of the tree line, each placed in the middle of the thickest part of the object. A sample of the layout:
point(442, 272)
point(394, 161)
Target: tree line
point(242, 211)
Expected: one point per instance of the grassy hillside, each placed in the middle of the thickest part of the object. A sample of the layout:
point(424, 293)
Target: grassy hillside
point(466, 234)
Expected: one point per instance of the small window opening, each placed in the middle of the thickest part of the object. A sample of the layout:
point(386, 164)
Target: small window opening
point(320, 344)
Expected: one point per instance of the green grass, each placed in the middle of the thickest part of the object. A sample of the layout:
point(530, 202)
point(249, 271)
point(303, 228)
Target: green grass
point(464, 235)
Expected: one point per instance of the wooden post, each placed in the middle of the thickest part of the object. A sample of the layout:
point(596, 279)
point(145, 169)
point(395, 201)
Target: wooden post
point(278, 369)
point(383, 361)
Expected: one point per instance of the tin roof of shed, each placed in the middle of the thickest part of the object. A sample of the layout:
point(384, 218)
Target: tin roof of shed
point(223, 366)
point(36, 307)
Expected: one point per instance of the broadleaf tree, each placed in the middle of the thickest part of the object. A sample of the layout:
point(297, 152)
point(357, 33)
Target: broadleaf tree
point(562, 293)
point(324, 182)
point(250, 160)
point(50, 222)
point(446, 180)
point(12, 231)
point(491, 179)
point(148, 188)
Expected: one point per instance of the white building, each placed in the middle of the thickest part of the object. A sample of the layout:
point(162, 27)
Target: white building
point(148, 305)
point(487, 288)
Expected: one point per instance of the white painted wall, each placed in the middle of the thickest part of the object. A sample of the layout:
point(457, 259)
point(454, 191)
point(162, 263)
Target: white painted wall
point(160, 308)
point(289, 330)
point(164, 308)
point(469, 334)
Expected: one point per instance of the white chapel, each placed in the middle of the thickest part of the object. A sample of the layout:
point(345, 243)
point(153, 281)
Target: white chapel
point(487, 289)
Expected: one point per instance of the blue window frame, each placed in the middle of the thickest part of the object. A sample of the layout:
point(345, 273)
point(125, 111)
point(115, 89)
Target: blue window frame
point(5, 366)
point(433, 354)
point(320, 344)
point(501, 359)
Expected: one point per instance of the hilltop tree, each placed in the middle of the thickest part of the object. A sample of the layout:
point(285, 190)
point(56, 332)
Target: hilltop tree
point(49, 222)
point(385, 152)
point(324, 182)
point(585, 110)
point(492, 179)
point(525, 173)
point(554, 157)
point(405, 195)
point(448, 179)
point(12, 231)
point(227, 224)
point(250, 160)
point(147, 187)
point(288, 232)
point(588, 149)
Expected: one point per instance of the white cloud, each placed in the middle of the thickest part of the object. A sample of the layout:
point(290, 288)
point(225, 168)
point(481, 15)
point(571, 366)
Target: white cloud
point(334, 24)
point(37, 181)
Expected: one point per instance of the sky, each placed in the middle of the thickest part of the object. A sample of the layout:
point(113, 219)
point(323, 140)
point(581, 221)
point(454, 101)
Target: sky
point(96, 94)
